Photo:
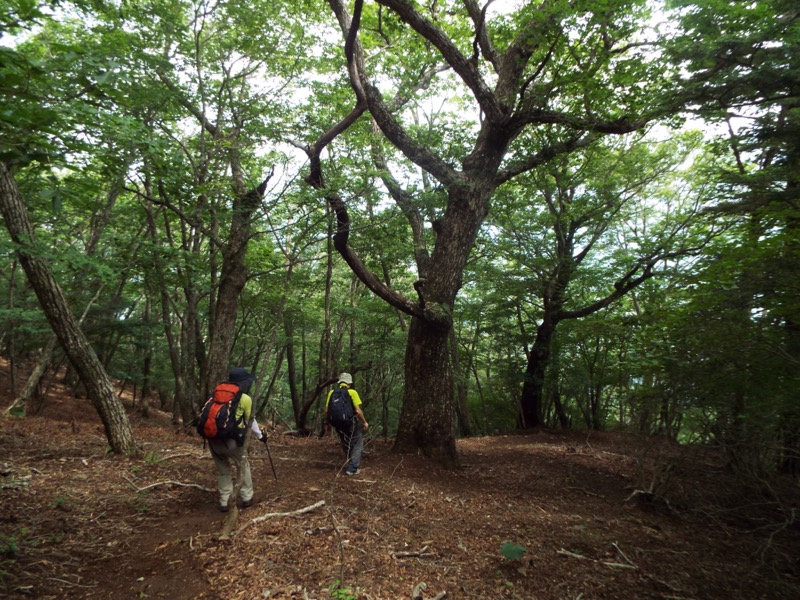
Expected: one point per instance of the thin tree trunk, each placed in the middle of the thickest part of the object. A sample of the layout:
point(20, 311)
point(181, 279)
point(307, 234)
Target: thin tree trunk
point(484, 427)
point(272, 380)
point(12, 334)
point(179, 403)
point(533, 386)
point(148, 360)
point(32, 383)
point(462, 409)
point(232, 280)
point(563, 420)
point(288, 329)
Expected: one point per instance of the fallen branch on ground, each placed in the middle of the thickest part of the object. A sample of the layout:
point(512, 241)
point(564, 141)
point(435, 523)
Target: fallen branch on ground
point(418, 554)
point(69, 583)
point(300, 511)
point(587, 492)
point(192, 454)
point(649, 497)
point(615, 565)
point(168, 482)
point(416, 594)
point(627, 560)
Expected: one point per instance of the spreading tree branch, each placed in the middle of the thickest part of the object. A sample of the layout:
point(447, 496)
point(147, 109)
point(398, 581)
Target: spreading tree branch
point(466, 68)
point(416, 152)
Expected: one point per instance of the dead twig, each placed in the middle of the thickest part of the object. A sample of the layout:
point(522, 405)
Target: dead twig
point(613, 565)
point(587, 492)
point(192, 454)
point(300, 511)
point(670, 588)
point(69, 583)
point(418, 554)
point(628, 560)
point(168, 482)
point(416, 594)
point(563, 552)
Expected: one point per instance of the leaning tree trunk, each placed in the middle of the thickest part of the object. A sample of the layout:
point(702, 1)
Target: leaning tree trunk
point(65, 325)
point(42, 364)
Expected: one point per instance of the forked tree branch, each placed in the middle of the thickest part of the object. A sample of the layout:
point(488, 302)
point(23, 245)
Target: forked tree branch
point(416, 152)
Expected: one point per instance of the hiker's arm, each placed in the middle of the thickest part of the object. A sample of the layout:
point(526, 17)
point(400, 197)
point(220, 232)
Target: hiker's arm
point(361, 417)
point(256, 429)
point(325, 423)
point(357, 406)
point(249, 415)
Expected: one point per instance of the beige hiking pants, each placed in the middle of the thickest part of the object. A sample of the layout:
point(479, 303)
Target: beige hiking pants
point(224, 452)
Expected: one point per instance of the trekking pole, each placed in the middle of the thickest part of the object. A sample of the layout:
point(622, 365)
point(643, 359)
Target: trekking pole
point(266, 445)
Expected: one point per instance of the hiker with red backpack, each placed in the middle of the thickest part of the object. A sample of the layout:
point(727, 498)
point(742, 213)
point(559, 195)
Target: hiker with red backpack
point(223, 422)
point(343, 413)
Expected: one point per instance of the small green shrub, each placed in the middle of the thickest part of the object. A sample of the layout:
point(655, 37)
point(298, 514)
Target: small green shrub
point(338, 592)
point(512, 551)
point(63, 503)
point(152, 457)
point(9, 546)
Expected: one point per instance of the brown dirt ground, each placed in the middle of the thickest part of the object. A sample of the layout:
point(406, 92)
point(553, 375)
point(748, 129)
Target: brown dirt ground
point(77, 522)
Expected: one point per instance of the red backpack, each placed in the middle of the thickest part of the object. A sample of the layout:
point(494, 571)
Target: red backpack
point(218, 417)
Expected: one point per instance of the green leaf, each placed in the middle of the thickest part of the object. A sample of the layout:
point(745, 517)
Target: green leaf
point(512, 551)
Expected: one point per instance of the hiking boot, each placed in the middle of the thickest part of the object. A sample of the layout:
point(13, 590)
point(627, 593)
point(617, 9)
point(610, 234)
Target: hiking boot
point(245, 503)
point(351, 473)
point(223, 508)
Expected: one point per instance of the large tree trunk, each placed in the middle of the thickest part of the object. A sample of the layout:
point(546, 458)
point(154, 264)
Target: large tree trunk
point(427, 416)
point(508, 107)
point(65, 325)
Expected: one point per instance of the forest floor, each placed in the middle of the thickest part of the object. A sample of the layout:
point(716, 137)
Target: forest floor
point(77, 522)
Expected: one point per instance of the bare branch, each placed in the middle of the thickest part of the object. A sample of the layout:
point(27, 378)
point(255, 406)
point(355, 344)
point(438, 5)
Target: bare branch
point(183, 101)
point(543, 156)
point(168, 482)
point(417, 153)
point(482, 40)
point(465, 68)
point(292, 513)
